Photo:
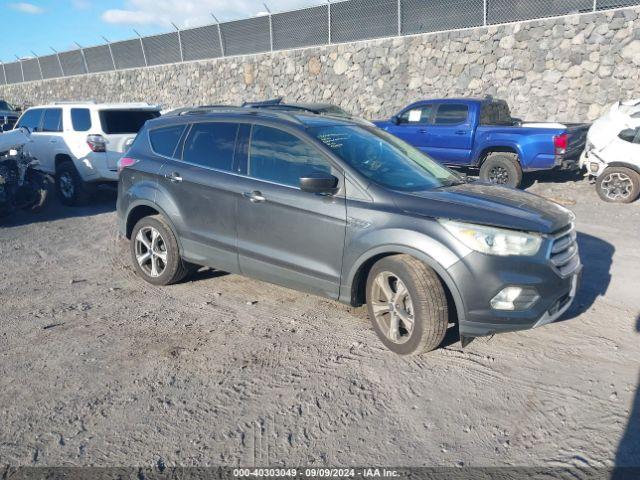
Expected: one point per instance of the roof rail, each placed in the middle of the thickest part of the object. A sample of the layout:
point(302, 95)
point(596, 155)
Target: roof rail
point(73, 102)
point(235, 109)
point(264, 103)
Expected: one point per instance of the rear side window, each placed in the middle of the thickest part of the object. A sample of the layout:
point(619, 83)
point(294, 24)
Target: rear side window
point(420, 115)
point(211, 145)
point(165, 140)
point(52, 121)
point(81, 119)
point(125, 121)
point(31, 119)
point(280, 157)
point(495, 113)
point(451, 114)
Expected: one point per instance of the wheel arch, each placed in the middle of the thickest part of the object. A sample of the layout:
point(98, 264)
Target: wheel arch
point(356, 283)
point(61, 158)
point(488, 150)
point(144, 208)
point(635, 168)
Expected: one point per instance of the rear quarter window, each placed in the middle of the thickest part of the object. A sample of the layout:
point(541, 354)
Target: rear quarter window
point(125, 121)
point(81, 119)
point(165, 140)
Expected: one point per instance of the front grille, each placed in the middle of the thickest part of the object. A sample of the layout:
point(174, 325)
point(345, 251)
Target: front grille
point(564, 252)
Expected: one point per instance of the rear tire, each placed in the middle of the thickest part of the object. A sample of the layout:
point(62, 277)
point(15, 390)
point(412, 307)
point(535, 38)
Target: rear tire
point(618, 185)
point(502, 168)
point(72, 190)
point(155, 253)
point(407, 305)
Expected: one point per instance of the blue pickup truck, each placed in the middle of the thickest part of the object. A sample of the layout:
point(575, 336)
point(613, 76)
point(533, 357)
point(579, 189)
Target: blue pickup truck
point(480, 133)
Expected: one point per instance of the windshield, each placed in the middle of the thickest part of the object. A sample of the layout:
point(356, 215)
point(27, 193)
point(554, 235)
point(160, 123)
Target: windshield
point(6, 106)
point(385, 159)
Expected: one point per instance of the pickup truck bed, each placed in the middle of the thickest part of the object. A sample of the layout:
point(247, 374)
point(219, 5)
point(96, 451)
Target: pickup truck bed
point(481, 133)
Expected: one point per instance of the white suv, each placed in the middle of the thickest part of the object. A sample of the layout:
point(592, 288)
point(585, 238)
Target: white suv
point(81, 143)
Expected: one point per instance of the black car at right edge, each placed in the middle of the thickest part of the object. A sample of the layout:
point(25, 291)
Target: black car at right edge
point(339, 208)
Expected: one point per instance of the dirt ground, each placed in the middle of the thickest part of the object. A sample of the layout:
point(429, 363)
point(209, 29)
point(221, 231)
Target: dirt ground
point(99, 368)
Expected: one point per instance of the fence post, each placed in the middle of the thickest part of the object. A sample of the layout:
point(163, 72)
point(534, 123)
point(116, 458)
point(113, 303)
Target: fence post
point(59, 61)
point(484, 12)
point(84, 59)
point(4, 74)
point(113, 60)
point(39, 64)
point(270, 26)
point(21, 67)
point(399, 17)
point(144, 54)
point(179, 41)
point(329, 18)
point(219, 34)
point(595, 5)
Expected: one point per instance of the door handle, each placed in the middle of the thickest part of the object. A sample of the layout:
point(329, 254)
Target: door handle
point(423, 130)
point(173, 177)
point(53, 140)
point(461, 132)
point(254, 197)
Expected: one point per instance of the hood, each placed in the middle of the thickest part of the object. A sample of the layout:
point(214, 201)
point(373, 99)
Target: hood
point(606, 128)
point(487, 204)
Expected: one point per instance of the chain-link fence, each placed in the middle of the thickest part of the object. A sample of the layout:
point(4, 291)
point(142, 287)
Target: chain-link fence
point(334, 22)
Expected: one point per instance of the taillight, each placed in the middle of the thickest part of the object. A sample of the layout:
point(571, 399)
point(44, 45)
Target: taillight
point(560, 143)
point(97, 143)
point(125, 162)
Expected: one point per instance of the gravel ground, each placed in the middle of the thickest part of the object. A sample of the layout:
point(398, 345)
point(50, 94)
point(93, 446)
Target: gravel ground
point(99, 368)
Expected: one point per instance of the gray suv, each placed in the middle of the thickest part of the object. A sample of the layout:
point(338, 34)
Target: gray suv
point(341, 209)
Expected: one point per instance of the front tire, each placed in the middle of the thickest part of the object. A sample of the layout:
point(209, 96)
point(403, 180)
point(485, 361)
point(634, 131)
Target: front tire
point(155, 253)
point(502, 168)
point(72, 190)
point(407, 305)
point(618, 185)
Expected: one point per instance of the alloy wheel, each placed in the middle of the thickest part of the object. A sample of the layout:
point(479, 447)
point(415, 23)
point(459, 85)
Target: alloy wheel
point(392, 307)
point(499, 175)
point(66, 185)
point(617, 186)
point(151, 251)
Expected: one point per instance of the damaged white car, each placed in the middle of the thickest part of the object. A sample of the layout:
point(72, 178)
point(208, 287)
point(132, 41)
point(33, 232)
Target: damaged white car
point(612, 153)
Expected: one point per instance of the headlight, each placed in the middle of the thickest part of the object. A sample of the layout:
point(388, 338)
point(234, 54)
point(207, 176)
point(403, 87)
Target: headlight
point(494, 241)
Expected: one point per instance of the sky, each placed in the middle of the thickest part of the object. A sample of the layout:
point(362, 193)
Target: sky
point(37, 26)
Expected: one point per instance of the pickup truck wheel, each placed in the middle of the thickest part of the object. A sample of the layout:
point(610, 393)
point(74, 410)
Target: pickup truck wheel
point(502, 168)
point(155, 253)
point(618, 185)
point(72, 190)
point(407, 305)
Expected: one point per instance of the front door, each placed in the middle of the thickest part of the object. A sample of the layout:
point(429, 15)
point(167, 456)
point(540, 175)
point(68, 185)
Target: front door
point(202, 184)
point(413, 126)
point(285, 235)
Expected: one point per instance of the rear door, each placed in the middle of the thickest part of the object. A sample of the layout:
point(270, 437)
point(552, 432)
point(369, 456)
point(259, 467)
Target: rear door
point(413, 125)
point(450, 138)
point(285, 235)
point(202, 182)
point(120, 127)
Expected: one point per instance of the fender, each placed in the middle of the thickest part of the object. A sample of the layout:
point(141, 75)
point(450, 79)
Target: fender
point(484, 146)
point(635, 168)
point(448, 258)
point(147, 194)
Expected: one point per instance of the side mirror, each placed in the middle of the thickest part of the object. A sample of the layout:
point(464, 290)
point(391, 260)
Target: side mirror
point(395, 120)
point(6, 127)
point(319, 183)
point(517, 122)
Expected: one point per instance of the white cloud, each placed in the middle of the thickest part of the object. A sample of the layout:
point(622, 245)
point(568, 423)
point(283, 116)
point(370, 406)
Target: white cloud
point(188, 13)
point(81, 4)
point(29, 8)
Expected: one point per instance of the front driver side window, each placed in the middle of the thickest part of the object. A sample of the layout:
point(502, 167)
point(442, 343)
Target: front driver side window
point(31, 119)
point(418, 115)
point(280, 157)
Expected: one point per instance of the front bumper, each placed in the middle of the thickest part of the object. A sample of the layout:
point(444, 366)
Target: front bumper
point(480, 277)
